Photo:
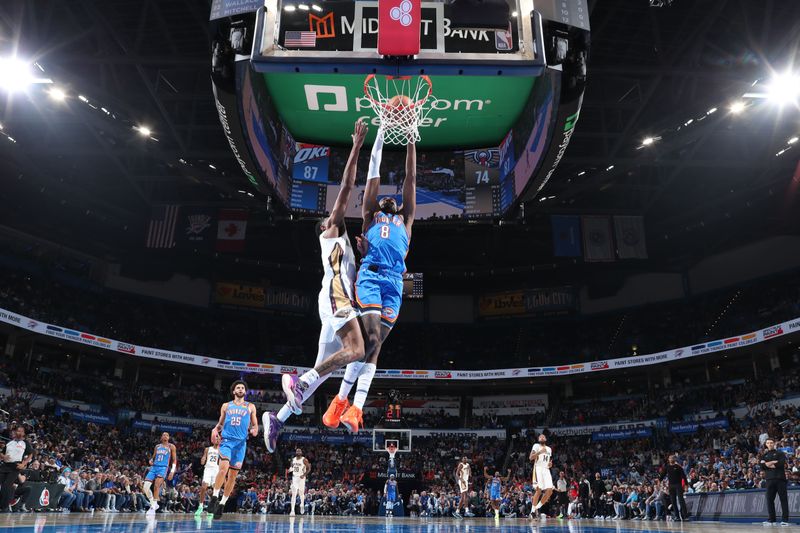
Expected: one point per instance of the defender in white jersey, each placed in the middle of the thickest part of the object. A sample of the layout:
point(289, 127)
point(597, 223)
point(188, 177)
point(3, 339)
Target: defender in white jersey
point(210, 461)
point(542, 458)
point(300, 468)
point(463, 473)
point(340, 336)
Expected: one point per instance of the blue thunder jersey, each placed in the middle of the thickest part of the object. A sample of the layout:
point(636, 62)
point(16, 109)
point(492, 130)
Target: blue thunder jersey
point(162, 455)
point(494, 487)
point(391, 489)
point(237, 421)
point(388, 243)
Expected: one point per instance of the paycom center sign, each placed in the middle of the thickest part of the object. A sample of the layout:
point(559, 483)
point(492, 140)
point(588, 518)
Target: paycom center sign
point(467, 111)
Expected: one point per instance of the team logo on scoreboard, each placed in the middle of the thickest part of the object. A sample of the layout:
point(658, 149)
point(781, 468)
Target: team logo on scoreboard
point(442, 374)
point(774, 331)
point(310, 152)
point(324, 26)
point(485, 157)
point(600, 365)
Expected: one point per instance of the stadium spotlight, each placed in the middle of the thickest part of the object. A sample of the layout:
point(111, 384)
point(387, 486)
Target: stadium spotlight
point(303, 7)
point(784, 88)
point(315, 7)
point(793, 140)
point(647, 141)
point(15, 75)
point(289, 8)
point(737, 107)
point(144, 131)
point(57, 94)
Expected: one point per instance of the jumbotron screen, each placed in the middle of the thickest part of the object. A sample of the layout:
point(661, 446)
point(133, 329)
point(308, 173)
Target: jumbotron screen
point(412, 286)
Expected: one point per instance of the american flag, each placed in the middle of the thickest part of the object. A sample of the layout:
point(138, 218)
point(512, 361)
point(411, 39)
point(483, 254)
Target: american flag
point(300, 39)
point(161, 232)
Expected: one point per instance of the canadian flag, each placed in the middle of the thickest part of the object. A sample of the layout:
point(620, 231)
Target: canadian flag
point(399, 25)
point(231, 230)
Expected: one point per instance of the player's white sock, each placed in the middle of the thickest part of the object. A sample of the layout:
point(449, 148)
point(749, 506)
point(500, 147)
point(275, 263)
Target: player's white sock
point(351, 373)
point(310, 377)
point(375, 157)
point(284, 413)
point(364, 382)
point(216, 493)
point(223, 500)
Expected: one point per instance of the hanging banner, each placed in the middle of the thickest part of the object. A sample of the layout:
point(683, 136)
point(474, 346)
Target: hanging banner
point(686, 352)
point(693, 427)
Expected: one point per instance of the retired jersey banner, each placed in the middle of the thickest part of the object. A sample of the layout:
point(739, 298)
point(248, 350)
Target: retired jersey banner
point(629, 232)
point(597, 243)
point(566, 236)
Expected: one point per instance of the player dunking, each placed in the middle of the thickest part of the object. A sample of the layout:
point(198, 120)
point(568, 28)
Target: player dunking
point(235, 419)
point(210, 461)
point(300, 469)
point(463, 472)
point(164, 455)
point(379, 285)
point(541, 455)
point(340, 335)
point(495, 488)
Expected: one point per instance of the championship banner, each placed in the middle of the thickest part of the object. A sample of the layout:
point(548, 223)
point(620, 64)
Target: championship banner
point(87, 339)
point(230, 8)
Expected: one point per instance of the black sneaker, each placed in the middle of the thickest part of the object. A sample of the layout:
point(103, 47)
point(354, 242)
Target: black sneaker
point(218, 509)
point(212, 505)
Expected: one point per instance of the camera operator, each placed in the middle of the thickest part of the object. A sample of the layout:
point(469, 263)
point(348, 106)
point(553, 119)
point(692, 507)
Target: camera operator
point(18, 455)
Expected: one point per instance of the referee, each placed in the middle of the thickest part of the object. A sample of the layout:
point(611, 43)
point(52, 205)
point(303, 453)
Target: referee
point(18, 454)
point(774, 463)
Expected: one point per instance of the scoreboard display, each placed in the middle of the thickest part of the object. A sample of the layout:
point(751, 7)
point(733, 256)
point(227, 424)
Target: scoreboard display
point(412, 285)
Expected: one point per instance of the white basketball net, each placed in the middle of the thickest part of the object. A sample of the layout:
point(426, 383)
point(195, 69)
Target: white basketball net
point(399, 118)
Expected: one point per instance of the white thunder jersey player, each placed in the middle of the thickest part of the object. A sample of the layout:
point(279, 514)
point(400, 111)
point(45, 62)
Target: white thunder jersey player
point(542, 457)
point(300, 468)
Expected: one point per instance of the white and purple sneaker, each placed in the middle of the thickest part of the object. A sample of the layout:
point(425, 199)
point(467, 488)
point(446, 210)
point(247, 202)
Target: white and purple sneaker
point(272, 426)
point(293, 388)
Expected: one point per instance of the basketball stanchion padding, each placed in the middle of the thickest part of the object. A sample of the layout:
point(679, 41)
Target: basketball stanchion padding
point(399, 23)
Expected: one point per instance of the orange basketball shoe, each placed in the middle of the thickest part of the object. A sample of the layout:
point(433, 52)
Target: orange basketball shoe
point(352, 419)
point(334, 412)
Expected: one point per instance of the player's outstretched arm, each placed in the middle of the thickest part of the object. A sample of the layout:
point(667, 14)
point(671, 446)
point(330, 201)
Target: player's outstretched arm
point(370, 204)
point(508, 476)
point(205, 456)
point(336, 218)
point(308, 467)
point(486, 472)
point(410, 187)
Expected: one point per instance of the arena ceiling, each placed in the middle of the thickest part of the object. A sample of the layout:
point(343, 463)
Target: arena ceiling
point(702, 185)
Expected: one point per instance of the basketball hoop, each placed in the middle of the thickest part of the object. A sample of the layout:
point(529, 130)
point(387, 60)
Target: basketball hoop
point(400, 105)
